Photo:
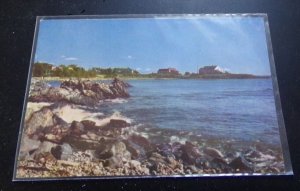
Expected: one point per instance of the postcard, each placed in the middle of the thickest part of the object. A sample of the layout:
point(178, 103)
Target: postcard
point(151, 96)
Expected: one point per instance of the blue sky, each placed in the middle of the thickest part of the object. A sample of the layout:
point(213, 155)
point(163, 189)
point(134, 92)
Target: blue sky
point(237, 44)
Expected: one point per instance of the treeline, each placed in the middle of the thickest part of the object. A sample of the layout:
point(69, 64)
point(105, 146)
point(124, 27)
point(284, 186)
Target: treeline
point(114, 72)
point(49, 70)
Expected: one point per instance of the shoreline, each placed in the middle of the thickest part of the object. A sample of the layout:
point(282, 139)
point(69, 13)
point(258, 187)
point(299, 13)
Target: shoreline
point(176, 153)
point(74, 112)
point(64, 136)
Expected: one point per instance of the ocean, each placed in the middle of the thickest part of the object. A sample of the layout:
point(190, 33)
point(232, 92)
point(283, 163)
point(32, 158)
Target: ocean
point(233, 109)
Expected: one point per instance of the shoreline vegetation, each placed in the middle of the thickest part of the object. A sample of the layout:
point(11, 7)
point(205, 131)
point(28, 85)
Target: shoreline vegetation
point(48, 72)
point(65, 134)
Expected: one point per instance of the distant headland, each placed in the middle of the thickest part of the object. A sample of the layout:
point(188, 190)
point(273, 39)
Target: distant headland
point(49, 71)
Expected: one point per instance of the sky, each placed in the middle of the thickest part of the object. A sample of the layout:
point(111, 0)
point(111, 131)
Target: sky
point(236, 44)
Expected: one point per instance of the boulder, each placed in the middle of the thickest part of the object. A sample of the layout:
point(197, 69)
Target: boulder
point(172, 162)
point(45, 125)
point(141, 141)
point(62, 152)
point(119, 148)
point(190, 153)
point(121, 83)
point(88, 124)
point(119, 88)
point(113, 152)
point(160, 165)
point(212, 152)
point(39, 120)
point(240, 164)
point(114, 162)
point(170, 149)
point(44, 150)
point(157, 158)
point(203, 162)
point(83, 142)
point(138, 146)
point(77, 128)
point(136, 151)
point(56, 133)
point(118, 123)
point(27, 147)
point(219, 164)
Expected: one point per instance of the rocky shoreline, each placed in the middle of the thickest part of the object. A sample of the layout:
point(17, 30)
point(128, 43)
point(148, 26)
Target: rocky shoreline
point(78, 92)
point(64, 136)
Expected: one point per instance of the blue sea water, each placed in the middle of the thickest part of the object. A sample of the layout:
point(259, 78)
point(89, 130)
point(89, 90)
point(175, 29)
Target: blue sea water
point(242, 109)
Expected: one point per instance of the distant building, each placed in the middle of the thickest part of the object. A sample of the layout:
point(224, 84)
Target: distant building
point(54, 68)
point(168, 71)
point(211, 70)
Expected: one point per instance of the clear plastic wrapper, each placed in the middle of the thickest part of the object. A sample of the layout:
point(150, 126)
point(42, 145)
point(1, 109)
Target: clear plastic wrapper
point(139, 96)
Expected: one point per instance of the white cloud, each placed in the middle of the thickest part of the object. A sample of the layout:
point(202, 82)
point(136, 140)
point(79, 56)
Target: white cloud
point(138, 69)
point(129, 57)
point(70, 58)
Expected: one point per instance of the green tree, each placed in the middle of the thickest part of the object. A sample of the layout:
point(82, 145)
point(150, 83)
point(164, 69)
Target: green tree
point(41, 69)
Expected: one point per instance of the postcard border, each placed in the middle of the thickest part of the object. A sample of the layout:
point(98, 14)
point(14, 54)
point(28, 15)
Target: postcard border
point(280, 118)
point(29, 77)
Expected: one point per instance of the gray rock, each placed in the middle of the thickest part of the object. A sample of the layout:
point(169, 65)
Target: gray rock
point(157, 158)
point(190, 153)
point(119, 88)
point(45, 125)
point(213, 152)
point(88, 124)
point(38, 85)
point(44, 149)
point(62, 152)
point(137, 151)
point(114, 153)
point(168, 149)
point(39, 120)
point(118, 123)
point(219, 163)
point(240, 164)
point(27, 147)
point(141, 141)
point(79, 92)
point(77, 128)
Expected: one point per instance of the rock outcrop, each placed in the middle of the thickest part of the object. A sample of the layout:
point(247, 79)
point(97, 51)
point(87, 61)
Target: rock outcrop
point(45, 125)
point(78, 92)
